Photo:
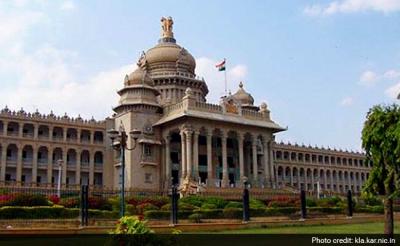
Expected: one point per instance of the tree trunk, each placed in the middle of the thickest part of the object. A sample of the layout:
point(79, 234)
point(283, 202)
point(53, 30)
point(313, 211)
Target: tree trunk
point(388, 208)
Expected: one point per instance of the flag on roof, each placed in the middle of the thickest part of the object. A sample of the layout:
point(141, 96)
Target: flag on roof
point(221, 66)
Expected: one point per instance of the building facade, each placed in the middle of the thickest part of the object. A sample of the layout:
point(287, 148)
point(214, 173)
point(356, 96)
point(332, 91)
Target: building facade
point(182, 138)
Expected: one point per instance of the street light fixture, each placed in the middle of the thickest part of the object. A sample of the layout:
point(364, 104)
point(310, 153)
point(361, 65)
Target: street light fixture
point(119, 142)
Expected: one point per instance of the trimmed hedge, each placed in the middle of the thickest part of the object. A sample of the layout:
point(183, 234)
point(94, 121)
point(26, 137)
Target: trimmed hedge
point(50, 212)
point(329, 210)
point(280, 211)
point(232, 213)
point(370, 209)
point(165, 215)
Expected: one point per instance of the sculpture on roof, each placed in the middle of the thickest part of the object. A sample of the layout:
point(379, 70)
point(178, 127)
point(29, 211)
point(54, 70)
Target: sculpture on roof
point(166, 25)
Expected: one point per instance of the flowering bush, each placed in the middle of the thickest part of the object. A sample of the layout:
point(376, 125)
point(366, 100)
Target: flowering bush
point(70, 202)
point(6, 199)
point(99, 203)
point(29, 200)
point(141, 208)
point(157, 201)
point(283, 201)
point(54, 199)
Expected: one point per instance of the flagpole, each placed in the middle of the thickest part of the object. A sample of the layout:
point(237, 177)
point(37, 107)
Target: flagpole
point(226, 93)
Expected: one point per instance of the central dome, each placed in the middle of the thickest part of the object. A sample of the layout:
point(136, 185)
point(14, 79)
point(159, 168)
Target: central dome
point(170, 52)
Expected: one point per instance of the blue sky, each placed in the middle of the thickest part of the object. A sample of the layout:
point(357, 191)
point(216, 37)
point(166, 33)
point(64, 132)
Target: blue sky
point(319, 65)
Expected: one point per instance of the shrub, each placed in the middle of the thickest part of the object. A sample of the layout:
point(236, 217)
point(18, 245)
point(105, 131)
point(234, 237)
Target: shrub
point(157, 201)
point(6, 199)
point(195, 218)
point(185, 206)
point(38, 212)
point(328, 202)
point(328, 210)
point(283, 201)
point(195, 201)
point(233, 204)
point(131, 225)
point(257, 212)
point(70, 202)
point(141, 208)
point(256, 204)
point(210, 213)
point(310, 203)
point(217, 201)
point(130, 209)
point(166, 207)
point(54, 199)
point(372, 200)
point(165, 215)
point(99, 203)
point(208, 206)
point(29, 200)
point(232, 213)
point(280, 211)
point(370, 209)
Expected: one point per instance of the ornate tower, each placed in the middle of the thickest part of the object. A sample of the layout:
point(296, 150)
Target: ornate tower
point(138, 109)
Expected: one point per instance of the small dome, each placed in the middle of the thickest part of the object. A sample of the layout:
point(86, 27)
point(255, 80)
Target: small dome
point(138, 77)
point(243, 97)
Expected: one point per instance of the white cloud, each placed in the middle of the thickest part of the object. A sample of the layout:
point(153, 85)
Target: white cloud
point(15, 24)
point(205, 67)
point(68, 6)
point(393, 91)
point(45, 79)
point(391, 74)
point(347, 101)
point(352, 6)
point(368, 78)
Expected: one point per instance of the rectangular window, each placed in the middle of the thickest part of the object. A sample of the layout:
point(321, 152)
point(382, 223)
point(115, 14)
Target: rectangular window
point(148, 178)
point(8, 177)
point(147, 150)
point(38, 179)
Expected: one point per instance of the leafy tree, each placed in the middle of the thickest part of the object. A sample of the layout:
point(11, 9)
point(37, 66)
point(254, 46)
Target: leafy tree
point(381, 142)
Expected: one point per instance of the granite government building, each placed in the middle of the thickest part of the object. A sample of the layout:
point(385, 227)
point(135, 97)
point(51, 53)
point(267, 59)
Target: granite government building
point(181, 138)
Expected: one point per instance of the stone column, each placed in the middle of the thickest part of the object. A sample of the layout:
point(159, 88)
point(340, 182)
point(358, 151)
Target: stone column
point(325, 180)
point(36, 132)
point(196, 155)
point(34, 165)
point(19, 165)
point(189, 153)
point(271, 164)
point(312, 180)
point(65, 130)
point(5, 126)
point(331, 180)
point(305, 180)
point(183, 155)
point(291, 176)
point(50, 165)
point(168, 167)
point(267, 169)
point(91, 137)
point(78, 137)
point(3, 162)
point(21, 130)
point(241, 157)
point(51, 129)
point(78, 167)
point(210, 179)
point(91, 168)
point(64, 167)
point(225, 175)
point(255, 166)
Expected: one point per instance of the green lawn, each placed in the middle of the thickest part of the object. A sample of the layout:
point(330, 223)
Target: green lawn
point(368, 228)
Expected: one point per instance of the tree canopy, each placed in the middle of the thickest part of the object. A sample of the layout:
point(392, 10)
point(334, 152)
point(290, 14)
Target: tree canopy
point(381, 142)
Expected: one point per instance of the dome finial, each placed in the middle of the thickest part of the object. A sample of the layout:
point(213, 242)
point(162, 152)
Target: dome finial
point(241, 84)
point(166, 28)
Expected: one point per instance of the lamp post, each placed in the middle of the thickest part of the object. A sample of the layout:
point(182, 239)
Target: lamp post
point(60, 162)
point(119, 142)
